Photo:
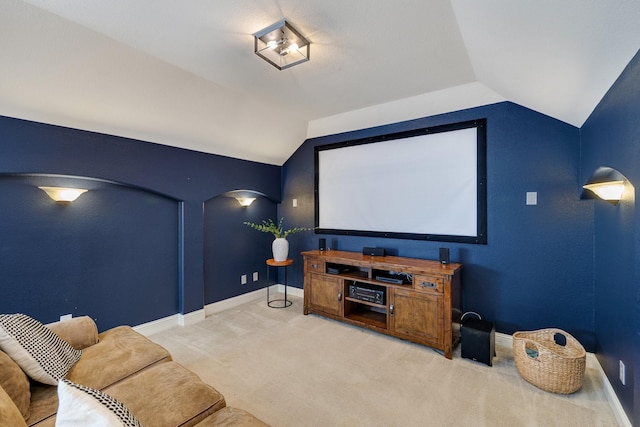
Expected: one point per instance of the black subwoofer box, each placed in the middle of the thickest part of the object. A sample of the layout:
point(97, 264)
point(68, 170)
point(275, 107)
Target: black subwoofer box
point(478, 340)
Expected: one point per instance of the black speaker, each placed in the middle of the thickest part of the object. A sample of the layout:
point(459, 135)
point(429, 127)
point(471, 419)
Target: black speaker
point(478, 340)
point(373, 251)
point(444, 255)
point(322, 244)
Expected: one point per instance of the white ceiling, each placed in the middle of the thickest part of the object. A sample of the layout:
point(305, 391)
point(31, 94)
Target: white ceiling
point(183, 73)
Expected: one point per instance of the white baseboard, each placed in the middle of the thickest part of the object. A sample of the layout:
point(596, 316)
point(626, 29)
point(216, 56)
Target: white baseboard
point(194, 317)
point(297, 292)
point(229, 303)
point(159, 325)
point(165, 323)
point(616, 406)
point(506, 340)
point(233, 302)
point(191, 318)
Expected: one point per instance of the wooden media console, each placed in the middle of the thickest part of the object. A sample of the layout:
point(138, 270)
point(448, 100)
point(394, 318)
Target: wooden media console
point(414, 299)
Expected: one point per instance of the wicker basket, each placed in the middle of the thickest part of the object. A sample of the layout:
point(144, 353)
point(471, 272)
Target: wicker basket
point(548, 365)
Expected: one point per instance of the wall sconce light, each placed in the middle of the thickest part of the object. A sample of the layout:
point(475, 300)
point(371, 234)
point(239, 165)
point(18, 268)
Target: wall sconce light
point(63, 194)
point(244, 197)
point(281, 45)
point(607, 184)
point(245, 201)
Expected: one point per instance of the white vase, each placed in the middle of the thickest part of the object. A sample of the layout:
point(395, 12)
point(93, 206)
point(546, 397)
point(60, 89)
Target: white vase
point(280, 248)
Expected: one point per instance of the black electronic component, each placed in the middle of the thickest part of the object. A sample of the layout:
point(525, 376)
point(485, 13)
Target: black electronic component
point(444, 255)
point(478, 340)
point(373, 251)
point(368, 294)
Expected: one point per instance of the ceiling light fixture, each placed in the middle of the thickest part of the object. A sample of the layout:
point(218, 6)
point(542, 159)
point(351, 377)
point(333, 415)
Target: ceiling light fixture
point(606, 183)
point(281, 45)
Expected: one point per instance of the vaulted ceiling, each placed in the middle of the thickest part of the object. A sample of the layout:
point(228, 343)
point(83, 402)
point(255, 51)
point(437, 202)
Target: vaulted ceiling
point(183, 73)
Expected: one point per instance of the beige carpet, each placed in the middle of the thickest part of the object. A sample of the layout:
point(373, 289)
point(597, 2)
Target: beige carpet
point(294, 370)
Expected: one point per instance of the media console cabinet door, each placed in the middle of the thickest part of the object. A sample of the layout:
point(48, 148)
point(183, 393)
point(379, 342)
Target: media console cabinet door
point(325, 294)
point(418, 316)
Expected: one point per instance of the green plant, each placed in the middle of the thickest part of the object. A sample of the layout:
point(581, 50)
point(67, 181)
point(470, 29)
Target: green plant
point(268, 226)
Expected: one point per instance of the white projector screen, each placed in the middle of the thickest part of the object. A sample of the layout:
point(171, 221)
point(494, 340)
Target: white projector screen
point(424, 184)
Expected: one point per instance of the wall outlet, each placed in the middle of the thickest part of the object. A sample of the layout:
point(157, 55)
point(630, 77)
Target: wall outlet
point(243, 279)
point(255, 276)
point(66, 317)
point(622, 373)
point(295, 203)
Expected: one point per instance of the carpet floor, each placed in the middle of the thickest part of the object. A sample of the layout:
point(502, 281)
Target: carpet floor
point(294, 370)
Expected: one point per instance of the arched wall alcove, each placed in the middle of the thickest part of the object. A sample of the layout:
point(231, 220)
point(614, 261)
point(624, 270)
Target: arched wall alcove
point(231, 248)
point(111, 254)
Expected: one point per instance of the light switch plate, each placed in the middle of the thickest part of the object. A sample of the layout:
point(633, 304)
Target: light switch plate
point(532, 197)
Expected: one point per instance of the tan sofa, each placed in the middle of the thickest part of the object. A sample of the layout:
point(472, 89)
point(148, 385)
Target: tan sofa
point(127, 366)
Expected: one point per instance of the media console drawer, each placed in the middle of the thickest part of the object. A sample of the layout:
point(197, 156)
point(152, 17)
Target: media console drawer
point(421, 305)
point(315, 265)
point(431, 283)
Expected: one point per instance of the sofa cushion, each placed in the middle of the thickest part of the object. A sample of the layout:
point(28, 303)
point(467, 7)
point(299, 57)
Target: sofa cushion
point(167, 394)
point(119, 353)
point(85, 406)
point(15, 383)
point(231, 417)
point(81, 332)
point(42, 354)
point(9, 413)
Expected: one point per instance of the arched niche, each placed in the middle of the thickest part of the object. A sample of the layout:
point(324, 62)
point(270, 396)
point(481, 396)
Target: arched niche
point(111, 254)
point(231, 248)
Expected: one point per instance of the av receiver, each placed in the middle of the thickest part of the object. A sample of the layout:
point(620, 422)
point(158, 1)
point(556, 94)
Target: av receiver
point(368, 294)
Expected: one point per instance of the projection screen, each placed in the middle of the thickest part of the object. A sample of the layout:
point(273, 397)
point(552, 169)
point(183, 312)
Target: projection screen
point(424, 184)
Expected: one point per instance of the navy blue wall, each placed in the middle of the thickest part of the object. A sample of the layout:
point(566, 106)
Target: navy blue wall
point(136, 248)
point(48, 268)
point(536, 270)
point(223, 224)
point(611, 137)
